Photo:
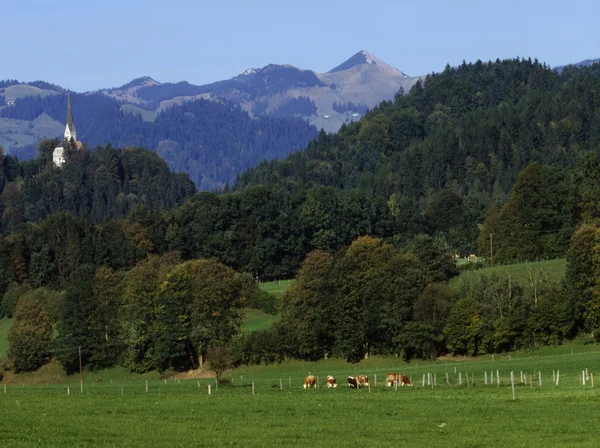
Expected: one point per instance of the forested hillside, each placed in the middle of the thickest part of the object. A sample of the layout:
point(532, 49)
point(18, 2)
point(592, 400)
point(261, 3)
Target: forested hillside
point(442, 155)
point(211, 141)
point(101, 184)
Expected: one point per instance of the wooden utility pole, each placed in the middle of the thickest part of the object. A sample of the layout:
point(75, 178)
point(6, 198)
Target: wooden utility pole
point(80, 371)
point(491, 249)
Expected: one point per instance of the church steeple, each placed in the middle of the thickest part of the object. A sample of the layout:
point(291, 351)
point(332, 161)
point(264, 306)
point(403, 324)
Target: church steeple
point(70, 128)
point(58, 156)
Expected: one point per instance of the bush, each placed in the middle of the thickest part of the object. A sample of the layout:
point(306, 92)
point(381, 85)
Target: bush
point(263, 301)
point(11, 298)
point(261, 347)
point(219, 359)
point(30, 337)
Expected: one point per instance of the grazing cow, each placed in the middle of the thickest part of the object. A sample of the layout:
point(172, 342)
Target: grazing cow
point(404, 381)
point(393, 378)
point(352, 383)
point(363, 380)
point(331, 382)
point(309, 381)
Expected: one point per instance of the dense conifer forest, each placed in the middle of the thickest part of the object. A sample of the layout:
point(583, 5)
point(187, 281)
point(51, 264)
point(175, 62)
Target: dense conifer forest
point(367, 220)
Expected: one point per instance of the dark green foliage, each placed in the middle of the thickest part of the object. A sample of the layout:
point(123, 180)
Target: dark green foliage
point(435, 256)
point(301, 106)
point(78, 325)
point(263, 301)
point(538, 219)
point(30, 337)
point(263, 347)
point(102, 184)
point(11, 298)
point(171, 313)
point(552, 318)
point(302, 307)
point(352, 305)
point(462, 331)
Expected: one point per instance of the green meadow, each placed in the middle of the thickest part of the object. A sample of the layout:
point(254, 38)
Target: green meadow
point(255, 320)
point(277, 288)
point(519, 272)
point(115, 409)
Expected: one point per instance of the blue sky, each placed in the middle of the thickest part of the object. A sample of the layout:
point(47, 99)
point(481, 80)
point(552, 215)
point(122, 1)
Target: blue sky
point(85, 45)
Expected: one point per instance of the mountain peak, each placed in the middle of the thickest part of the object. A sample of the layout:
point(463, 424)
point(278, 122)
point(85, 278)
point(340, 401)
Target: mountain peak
point(364, 58)
point(144, 81)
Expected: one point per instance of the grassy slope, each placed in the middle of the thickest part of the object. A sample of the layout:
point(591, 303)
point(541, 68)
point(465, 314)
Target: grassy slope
point(518, 272)
point(277, 288)
point(255, 320)
point(181, 413)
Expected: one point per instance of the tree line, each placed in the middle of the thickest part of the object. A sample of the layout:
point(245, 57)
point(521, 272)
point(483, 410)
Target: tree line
point(162, 314)
point(373, 298)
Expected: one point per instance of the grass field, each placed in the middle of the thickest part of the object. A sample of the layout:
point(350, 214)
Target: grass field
point(519, 272)
point(255, 320)
point(181, 413)
point(277, 288)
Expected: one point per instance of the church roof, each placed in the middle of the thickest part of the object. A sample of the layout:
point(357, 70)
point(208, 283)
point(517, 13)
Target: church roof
point(70, 114)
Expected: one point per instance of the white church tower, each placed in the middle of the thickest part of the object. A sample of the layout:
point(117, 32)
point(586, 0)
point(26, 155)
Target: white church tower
point(58, 156)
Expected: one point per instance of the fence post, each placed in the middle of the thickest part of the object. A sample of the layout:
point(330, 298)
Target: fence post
point(539, 377)
point(423, 384)
point(252, 387)
point(557, 376)
point(512, 384)
point(497, 378)
point(280, 384)
point(209, 389)
point(459, 379)
point(485, 378)
point(447, 380)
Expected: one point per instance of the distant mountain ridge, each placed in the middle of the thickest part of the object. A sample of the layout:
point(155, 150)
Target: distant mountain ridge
point(363, 80)
point(585, 63)
point(260, 114)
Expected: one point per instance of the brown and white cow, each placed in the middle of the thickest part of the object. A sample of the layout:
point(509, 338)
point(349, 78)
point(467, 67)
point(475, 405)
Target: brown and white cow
point(393, 378)
point(309, 381)
point(331, 384)
point(358, 382)
point(363, 380)
point(352, 383)
point(404, 381)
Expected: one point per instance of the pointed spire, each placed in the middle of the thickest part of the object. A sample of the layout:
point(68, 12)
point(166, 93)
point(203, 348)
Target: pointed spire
point(69, 112)
point(70, 128)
